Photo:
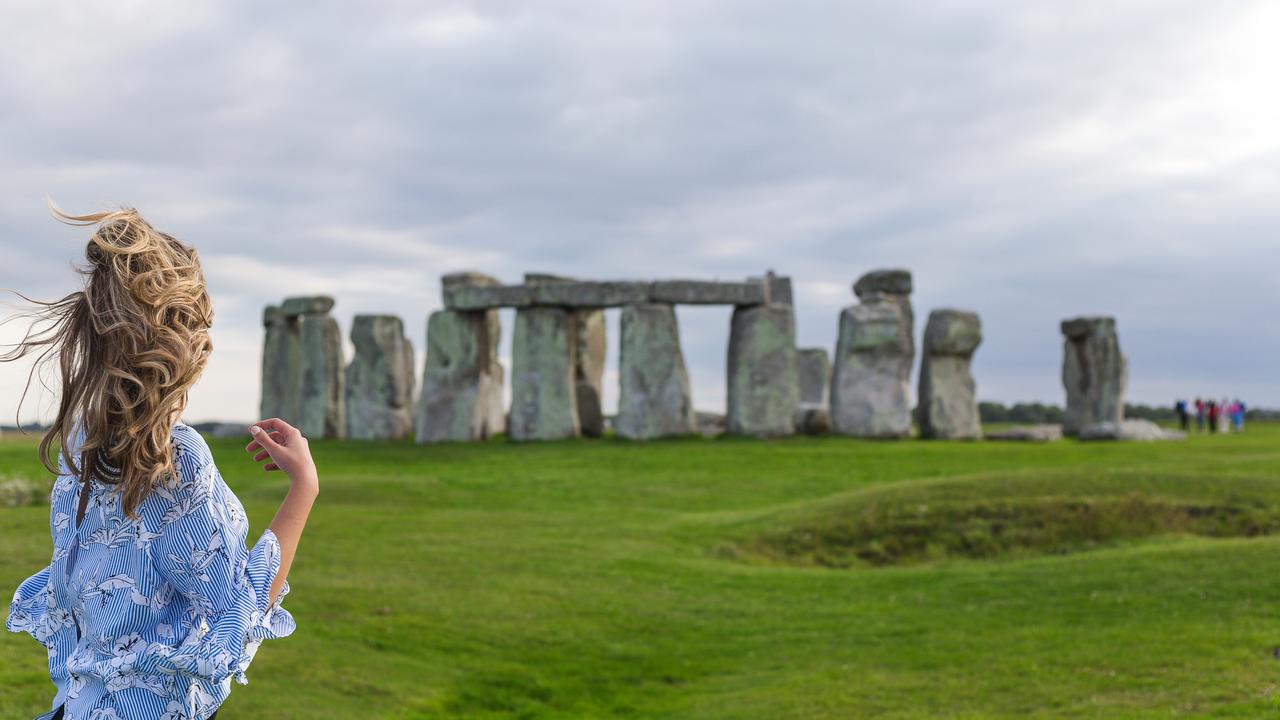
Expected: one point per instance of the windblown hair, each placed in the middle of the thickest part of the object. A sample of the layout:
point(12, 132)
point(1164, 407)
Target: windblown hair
point(129, 346)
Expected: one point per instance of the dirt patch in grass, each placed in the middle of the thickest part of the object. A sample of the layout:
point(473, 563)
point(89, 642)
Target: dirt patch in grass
point(879, 535)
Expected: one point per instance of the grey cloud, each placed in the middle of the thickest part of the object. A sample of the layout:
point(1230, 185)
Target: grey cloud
point(1026, 160)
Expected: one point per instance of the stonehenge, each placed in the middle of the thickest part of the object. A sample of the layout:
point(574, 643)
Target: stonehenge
point(1094, 373)
point(871, 369)
point(302, 367)
point(656, 400)
point(558, 362)
point(947, 399)
point(379, 380)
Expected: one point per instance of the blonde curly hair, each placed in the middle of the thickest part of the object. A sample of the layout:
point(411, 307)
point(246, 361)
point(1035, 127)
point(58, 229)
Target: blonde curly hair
point(129, 346)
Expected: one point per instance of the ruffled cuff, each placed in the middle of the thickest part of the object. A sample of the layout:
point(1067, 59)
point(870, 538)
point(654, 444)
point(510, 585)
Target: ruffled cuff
point(245, 619)
point(269, 621)
point(29, 605)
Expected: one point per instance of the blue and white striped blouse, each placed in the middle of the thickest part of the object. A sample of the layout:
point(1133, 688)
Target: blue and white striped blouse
point(153, 617)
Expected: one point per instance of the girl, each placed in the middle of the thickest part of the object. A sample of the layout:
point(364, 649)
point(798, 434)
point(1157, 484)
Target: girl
point(151, 602)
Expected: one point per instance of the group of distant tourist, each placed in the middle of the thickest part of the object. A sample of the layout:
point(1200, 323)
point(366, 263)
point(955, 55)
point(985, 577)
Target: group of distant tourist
point(1212, 415)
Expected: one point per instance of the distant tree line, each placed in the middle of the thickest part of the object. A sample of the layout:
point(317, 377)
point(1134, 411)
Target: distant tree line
point(1034, 413)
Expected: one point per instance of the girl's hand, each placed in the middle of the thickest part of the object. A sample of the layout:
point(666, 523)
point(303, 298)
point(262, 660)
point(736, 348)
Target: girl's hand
point(287, 450)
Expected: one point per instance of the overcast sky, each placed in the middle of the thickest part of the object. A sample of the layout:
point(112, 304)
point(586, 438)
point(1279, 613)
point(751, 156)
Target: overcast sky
point(1030, 161)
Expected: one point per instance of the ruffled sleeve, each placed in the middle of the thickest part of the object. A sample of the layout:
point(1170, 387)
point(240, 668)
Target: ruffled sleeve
point(201, 551)
point(27, 610)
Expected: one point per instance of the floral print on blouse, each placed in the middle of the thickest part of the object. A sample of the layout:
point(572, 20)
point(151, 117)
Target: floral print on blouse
point(152, 617)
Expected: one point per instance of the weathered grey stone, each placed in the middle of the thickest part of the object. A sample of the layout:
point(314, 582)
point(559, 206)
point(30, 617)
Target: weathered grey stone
point(699, 292)
point(588, 371)
point(1134, 430)
point(316, 305)
point(948, 401)
point(778, 288)
point(302, 368)
point(813, 420)
point(762, 384)
point(589, 357)
point(281, 366)
point(591, 294)
point(379, 380)
point(1029, 433)
point(321, 400)
point(883, 282)
point(814, 371)
point(1094, 373)
point(655, 399)
point(543, 389)
point(871, 369)
point(467, 277)
point(482, 297)
point(461, 380)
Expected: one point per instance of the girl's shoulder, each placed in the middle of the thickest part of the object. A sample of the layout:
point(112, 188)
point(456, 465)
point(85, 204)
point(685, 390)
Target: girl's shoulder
point(192, 459)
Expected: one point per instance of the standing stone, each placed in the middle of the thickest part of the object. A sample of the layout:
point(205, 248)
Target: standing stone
point(588, 370)
point(302, 368)
point(543, 399)
point(461, 380)
point(655, 399)
point(814, 373)
point(1094, 373)
point(281, 366)
point(379, 380)
point(490, 391)
point(871, 370)
point(321, 403)
point(762, 382)
point(948, 401)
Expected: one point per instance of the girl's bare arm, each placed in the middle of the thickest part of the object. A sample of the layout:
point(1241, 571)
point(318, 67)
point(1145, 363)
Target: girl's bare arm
point(285, 449)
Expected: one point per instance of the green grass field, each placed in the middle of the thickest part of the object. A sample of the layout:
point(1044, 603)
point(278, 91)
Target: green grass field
point(802, 578)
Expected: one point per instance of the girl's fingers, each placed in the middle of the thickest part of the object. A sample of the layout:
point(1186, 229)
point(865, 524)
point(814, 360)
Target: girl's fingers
point(270, 466)
point(261, 456)
point(254, 444)
point(276, 424)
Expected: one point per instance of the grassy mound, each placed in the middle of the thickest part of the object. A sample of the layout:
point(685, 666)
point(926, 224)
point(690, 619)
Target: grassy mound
point(873, 532)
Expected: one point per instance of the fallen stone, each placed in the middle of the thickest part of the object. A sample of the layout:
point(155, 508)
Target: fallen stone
point(763, 392)
point(813, 421)
point(710, 424)
point(379, 382)
point(655, 398)
point(1134, 430)
point(947, 397)
point(1028, 433)
point(461, 380)
point(1094, 373)
point(543, 389)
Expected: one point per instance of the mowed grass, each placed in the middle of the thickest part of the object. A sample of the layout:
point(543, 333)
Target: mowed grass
point(596, 579)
